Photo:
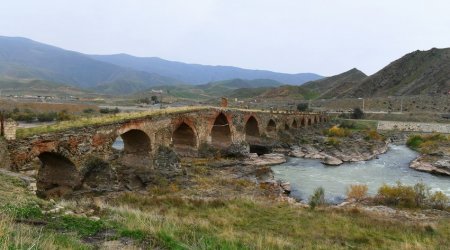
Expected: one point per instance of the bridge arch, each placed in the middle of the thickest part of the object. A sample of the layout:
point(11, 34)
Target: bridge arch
point(271, 126)
point(303, 122)
point(221, 132)
point(286, 126)
point(136, 141)
point(294, 124)
point(57, 175)
point(309, 121)
point(251, 129)
point(184, 137)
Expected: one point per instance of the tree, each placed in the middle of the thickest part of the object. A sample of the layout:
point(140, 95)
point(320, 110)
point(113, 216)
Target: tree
point(302, 107)
point(155, 99)
point(357, 113)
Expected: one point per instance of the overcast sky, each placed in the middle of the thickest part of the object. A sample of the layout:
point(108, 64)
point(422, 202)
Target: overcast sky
point(324, 37)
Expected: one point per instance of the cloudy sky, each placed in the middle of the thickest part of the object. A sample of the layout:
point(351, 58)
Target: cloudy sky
point(321, 36)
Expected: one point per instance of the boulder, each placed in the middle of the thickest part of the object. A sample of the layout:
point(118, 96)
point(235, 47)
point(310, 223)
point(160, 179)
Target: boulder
point(331, 161)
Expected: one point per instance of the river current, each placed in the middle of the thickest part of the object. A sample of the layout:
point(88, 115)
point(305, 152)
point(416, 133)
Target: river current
point(305, 175)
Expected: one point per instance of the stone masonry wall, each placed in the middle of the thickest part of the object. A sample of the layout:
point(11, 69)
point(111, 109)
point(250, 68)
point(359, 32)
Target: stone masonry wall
point(414, 127)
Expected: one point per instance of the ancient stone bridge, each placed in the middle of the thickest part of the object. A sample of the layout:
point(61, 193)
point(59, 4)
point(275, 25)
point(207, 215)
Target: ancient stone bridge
point(83, 156)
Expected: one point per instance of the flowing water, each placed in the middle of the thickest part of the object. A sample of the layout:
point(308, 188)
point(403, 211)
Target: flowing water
point(305, 175)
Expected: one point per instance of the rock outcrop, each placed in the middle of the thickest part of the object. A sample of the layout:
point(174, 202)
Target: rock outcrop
point(432, 164)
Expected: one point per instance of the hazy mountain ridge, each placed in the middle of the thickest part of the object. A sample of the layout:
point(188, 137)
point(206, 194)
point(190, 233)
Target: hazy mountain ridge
point(201, 74)
point(22, 58)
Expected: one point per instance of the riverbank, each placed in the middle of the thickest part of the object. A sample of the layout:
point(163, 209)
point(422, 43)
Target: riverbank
point(434, 152)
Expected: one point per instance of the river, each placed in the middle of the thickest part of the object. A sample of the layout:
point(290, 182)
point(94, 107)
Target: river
point(305, 175)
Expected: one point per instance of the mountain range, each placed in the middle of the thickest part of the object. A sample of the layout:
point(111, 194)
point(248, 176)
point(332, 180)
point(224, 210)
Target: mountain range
point(22, 58)
point(24, 62)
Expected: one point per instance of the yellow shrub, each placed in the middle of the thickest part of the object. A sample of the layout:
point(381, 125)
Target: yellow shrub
point(357, 191)
point(337, 131)
point(372, 134)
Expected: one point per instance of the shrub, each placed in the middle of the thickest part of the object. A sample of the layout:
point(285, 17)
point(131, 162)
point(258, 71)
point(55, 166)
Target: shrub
point(357, 191)
point(46, 117)
point(414, 141)
point(428, 147)
point(422, 192)
point(426, 143)
point(88, 111)
point(63, 116)
point(318, 198)
point(372, 134)
point(398, 195)
point(347, 124)
point(302, 107)
point(337, 131)
point(357, 113)
point(439, 200)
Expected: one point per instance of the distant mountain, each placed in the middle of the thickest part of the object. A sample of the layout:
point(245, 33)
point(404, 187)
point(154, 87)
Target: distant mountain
point(417, 73)
point(22, 58)
point(200, 74)
point(336, 85)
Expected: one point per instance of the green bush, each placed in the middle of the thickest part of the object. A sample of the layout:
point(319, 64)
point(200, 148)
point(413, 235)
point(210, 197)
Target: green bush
point(46, 117)
point(414, 141)
point(318, 198)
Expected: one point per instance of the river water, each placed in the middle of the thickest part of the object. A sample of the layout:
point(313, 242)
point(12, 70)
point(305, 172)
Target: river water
point(305, 175)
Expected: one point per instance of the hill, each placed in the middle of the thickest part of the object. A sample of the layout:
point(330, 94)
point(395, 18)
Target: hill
point(22, 58)
point(200, 74)
point(37, 87)
point(336, 85)
point(417, 73)
point(238, 88)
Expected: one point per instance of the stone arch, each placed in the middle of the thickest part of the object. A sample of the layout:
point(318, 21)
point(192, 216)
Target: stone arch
point(286, 126)
point(303, 122)
point(251, 128)
point(309, 121)
point(294, 124)
point(221, 132)
point(184, 138)
point(271, 126)
point(136, 141)
point(57, 175)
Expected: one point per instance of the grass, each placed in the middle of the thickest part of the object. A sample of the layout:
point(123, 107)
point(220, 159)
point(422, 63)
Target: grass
point(246, 223)
point(358, 125)
point(181, 219)
point(428, 143)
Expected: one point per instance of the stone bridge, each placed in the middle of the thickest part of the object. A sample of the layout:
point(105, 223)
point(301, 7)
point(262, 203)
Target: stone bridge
point(85, 156)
